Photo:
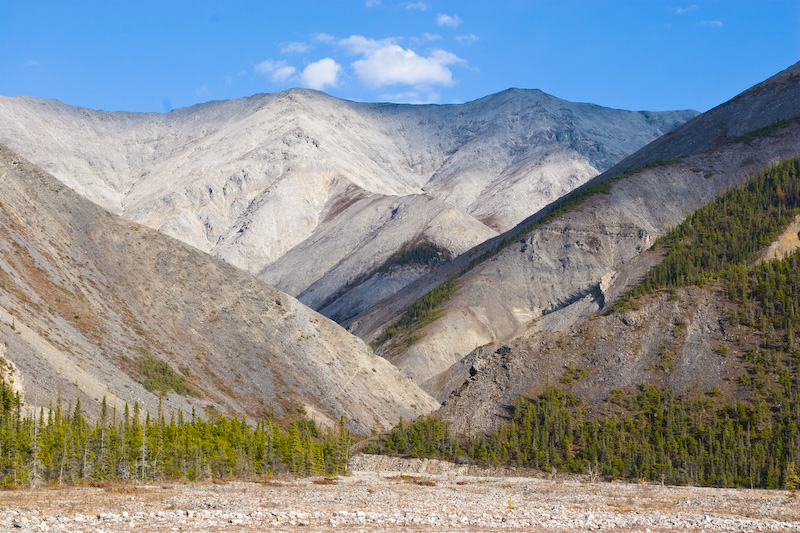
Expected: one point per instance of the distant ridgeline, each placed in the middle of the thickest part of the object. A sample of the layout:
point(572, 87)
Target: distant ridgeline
point(654, 433)
point(61, 446)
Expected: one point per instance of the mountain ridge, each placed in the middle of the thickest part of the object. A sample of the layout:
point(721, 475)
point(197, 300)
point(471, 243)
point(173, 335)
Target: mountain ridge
point(253, 180)
point(567, 263)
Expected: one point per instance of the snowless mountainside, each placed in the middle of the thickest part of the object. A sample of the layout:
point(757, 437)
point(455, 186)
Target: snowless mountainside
point(313, 194)
point(557, 275)
point(94, 306)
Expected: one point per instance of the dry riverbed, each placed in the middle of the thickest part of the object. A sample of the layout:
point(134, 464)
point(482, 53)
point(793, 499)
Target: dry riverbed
point(384, 494)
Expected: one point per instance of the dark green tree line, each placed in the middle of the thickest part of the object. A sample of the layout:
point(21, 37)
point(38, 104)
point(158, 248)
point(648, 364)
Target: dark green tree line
point(58, 445)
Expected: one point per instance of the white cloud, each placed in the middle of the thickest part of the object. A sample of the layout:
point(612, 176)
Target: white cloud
point(319, 74)
point(447, 20)
point(468, 38)
point(322, 38)
point(422, 6)
point(391, 64)
point(431, 36)
point(358, 44)
point(683, 10)
point(282, 74)
point(373, 3)
point(296, 48)
point(710, 23)
point(32, 63)
point(278, 71)
point(202, 91)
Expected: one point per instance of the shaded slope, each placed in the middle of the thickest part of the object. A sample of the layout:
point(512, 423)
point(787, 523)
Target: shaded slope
point(90, 302)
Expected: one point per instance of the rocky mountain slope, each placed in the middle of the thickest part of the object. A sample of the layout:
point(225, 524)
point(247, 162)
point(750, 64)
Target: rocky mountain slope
point(94, 306)
point(720, 321)
point(315, 195)
point(558, 273)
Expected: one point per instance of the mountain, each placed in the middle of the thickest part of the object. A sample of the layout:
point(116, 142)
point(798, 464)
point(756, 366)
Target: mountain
point(715, 314)
point(559, 267)
point(318, 196)
point(94, 306)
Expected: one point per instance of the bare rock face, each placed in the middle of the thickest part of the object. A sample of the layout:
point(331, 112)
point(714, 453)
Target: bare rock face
point(559, 273)
point(89, 301)
point(313, 194)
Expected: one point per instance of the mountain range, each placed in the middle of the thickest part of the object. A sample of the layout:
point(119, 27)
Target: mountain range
point(316, 196)
point(473, 246)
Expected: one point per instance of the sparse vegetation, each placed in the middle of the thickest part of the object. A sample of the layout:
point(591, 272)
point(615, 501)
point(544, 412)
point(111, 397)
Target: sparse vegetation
point(426, 253)
point(420, 313)
point(563, 205)
point(572, 375)
point(718, 240)
point(158, 376)
point(766, 131)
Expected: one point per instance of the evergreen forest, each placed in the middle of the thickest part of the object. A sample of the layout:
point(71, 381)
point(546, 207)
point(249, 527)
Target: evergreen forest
point(59, 445)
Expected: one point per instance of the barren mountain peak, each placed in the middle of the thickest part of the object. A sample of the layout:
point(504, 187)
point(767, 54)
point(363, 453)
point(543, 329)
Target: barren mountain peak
point(262, 181)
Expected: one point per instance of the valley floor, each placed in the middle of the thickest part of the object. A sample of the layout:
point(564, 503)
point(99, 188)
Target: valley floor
point(416, 496)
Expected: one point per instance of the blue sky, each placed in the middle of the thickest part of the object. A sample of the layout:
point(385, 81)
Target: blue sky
point(159, 55)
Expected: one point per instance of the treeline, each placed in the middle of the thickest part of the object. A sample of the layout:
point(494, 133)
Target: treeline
point(658, 436)
point(717, 240)
point(61, 446)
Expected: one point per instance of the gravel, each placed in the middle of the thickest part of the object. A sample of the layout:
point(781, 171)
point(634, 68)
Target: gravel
point(425, 496)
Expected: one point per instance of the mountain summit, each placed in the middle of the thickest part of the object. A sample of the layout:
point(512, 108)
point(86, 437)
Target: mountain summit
point(321, 197)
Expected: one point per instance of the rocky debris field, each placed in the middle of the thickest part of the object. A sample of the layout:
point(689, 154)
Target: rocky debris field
point(421, 496)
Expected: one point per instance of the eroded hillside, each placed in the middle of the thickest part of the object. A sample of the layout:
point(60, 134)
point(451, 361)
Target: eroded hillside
point(93, 306)
point(558, 272)
point(315, 195)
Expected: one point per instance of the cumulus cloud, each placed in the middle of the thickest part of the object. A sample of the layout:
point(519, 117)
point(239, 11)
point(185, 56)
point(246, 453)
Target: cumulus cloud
point(391, 64)
point(431, 36)
point(448, 20)
point(710, 23)
point(684, 10)
point(296, 48)
point(278, 71)
point(468, 38)
point(320, 74)
point(385, 62)
point(373, 3)
point(422, 6)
